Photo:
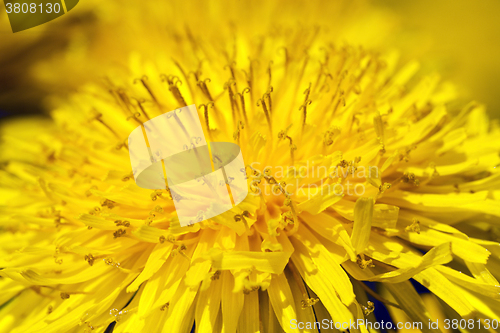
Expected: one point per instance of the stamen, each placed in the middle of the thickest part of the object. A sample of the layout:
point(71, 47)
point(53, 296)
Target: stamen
point(287, 218)
point(338, 90)
point(341, 100)
point(362, 263)
point(308, 302)
point(165, 306)
point(110, 262)
point(231, 69)
point(186, 76)
point(123, 144)
point(107, 203)
point(414, 226)
point(172, 82)
point(270, 73)
point(382, 150)
point(90, 259)
point(122, 96)
point(216, 275)
point(378, 124)
point(410, 178)
point(285, 51)
point(196, 74)
point(384, 187)
point(283, 135)
point(326, 84)
point(250, 74)
point(368, 309)
point(119, 233)
point(118, 314)
point(126, 224)
point(139, 104)
point(64, 295)
point(207, 119)
point(234, 106)
point(204, 88)
point(98, 117)
point(242, 96)
point(307, 102)
point(328, 137)
point(169, 238)
point(406, 155)
point(236, 135)
point(143, 81)
point(248, 291)
point(241, 217)
point(180, 250)
point(268, 95)
point(268, 118)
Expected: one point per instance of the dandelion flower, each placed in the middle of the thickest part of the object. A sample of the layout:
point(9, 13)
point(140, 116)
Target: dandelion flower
point(357, 171)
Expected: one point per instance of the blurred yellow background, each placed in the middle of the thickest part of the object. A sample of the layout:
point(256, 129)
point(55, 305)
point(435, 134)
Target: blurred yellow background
point(459, 39)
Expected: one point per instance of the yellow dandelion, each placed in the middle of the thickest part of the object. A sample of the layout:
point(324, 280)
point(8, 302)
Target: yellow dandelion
point(357, 171)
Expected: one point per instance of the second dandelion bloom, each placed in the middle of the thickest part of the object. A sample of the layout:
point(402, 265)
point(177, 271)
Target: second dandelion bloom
point(358, 170)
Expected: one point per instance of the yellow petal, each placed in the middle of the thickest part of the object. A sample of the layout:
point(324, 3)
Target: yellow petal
point(270, 262)
point(180, 311)
point(305, 315)
point(327, 264)
point(208, 306)
point(447, 291)
point(464, 249)
point(249, 319)
point(481, 273)
point(436, 256)
point(155, 261)
point(319, 199)
point(150, 234)
point(282, 302)
point(319, 282)
point(484, 305)
point(332, 229)
point(358, 315)
point(385, 216)
point(466, 281)
point(363, 215)
point(406, 296)
point(200, 264)
point(392, 251)
point(232, 303)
